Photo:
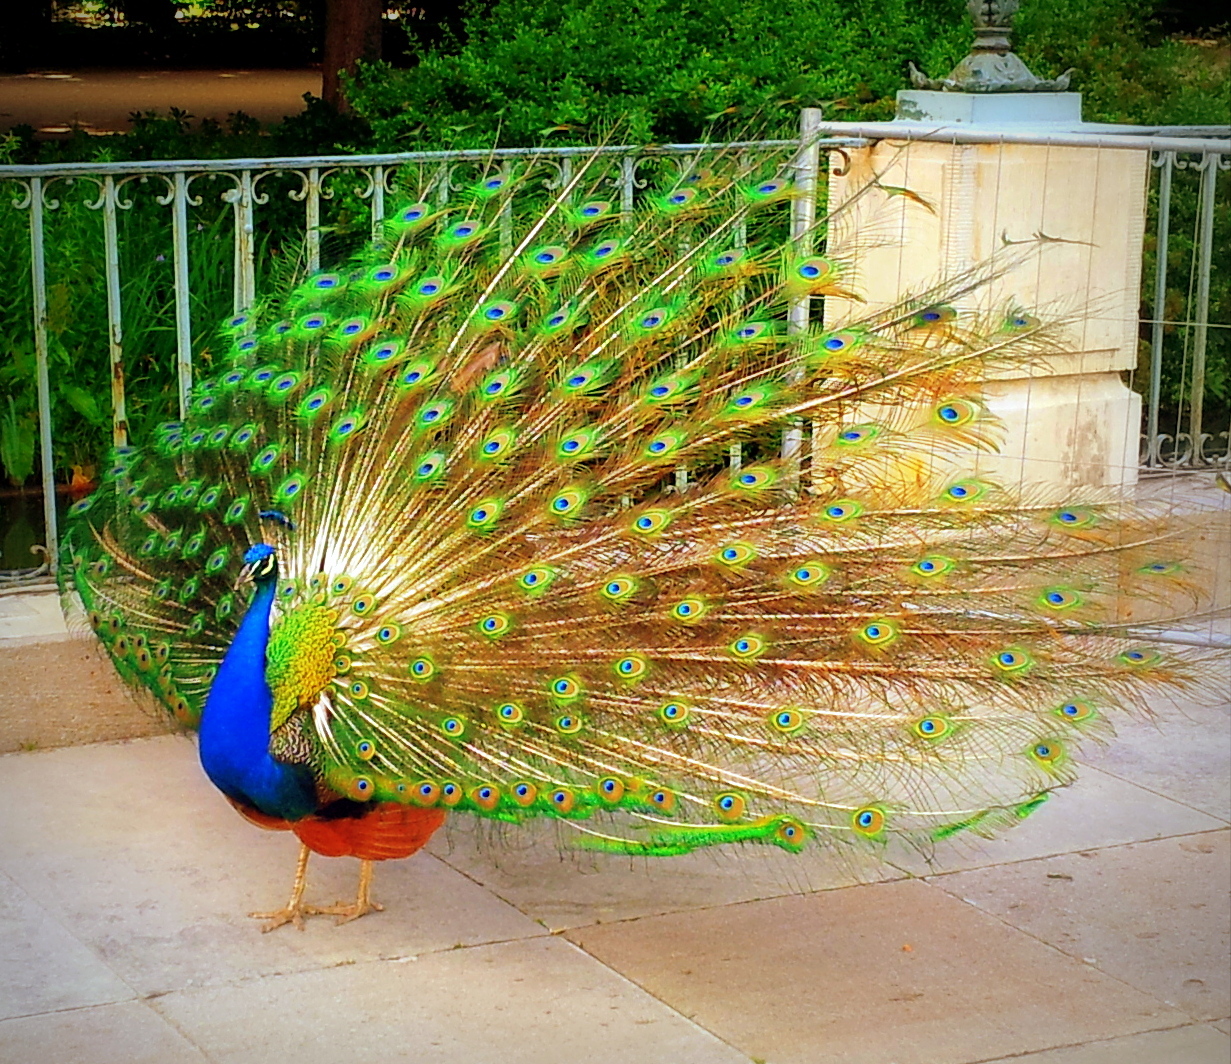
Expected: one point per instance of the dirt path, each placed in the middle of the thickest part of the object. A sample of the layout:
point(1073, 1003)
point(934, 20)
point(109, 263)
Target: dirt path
point(101, 100)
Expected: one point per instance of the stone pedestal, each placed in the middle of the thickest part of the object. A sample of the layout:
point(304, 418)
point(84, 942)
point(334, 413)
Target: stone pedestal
point(1072, 422)
point(990, 108)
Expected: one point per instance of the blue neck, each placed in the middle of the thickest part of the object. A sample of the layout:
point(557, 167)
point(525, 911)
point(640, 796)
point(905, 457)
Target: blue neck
point(234, 744)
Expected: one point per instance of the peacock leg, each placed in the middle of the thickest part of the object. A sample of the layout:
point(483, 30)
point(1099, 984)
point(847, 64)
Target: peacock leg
point(295, 909)
point(363, 900)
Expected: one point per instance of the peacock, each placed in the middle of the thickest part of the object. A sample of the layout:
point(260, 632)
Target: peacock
point(545, 506)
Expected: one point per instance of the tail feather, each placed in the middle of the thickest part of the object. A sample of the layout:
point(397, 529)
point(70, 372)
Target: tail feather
point(501, 486)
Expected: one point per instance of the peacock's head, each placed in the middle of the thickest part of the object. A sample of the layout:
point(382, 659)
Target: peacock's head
point(260, 564)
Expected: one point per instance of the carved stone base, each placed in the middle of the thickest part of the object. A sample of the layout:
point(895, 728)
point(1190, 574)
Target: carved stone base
point(989, 108)
point(1071, 422)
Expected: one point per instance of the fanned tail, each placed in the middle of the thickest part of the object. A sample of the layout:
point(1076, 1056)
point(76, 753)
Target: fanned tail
point(546, 554)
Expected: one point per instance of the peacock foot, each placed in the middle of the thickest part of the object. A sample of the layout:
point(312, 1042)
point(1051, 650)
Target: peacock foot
point(295, 910)
point(362, 905)
point(345, 913)
point(292, 914)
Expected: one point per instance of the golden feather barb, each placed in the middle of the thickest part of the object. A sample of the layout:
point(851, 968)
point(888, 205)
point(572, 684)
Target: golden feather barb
point(542, 554)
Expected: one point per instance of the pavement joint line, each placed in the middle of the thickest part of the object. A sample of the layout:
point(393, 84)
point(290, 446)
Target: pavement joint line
point(54, 918)
point(1090, 1042)
point(134, 1000)
point(353, 962)
point(1160, 794)
point(1069, 956)
point(374, 961)
point(1067, 853)
point(667, 912)
point(489, 890)
point(692, 1020)
point(147, 1004)
point(688, 910)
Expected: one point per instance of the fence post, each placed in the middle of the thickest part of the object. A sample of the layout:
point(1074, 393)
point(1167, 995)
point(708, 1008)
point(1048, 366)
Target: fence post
point(183, 311)
point(1166, 164)
point(38, 278)
point(1205, 251)
point(312, 218)
point(245, 251)
point(806, 165)
point(115, 326)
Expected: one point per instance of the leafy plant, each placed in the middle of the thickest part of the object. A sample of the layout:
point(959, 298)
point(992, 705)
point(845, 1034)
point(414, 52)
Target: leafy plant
point(526, 72)
point(16, 444)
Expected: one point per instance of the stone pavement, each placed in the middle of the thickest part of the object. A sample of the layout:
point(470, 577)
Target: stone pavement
point(1096, 933)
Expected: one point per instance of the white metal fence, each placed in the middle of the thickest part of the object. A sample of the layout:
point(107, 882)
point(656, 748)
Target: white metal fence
point(1189, 204)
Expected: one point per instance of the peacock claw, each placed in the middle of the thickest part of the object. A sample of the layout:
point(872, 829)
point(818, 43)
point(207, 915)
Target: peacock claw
point(289, 915)
point(362, 905)
point(294, 910)
point(344, 912)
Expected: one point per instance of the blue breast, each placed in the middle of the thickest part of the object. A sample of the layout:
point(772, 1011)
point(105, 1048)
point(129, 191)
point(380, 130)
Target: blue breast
point(234, 737)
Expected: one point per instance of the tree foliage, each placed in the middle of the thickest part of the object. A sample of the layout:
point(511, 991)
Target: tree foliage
point(529, 71)
point(666, 70)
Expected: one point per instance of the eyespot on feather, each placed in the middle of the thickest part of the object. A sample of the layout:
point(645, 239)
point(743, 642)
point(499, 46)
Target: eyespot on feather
point(610, 790)
point(510, 714)
point(565, 689)
point(953, 413)
point(1012, 661)
point(619, 588)
point(932, 566)
point(734, 555)
point(747, 647)
point(537, 579)
point(841, 511)
point(807, 575)
point(691, 610)
point(790, 834)
point(787, 721)
point(631, 667)
point(932, 727)
point(730, 806)
point(674, 714)
point(1076, 711)
point(1059, 598)
point(1048, 753)
point(868, 821)
point(524, 794)
point(486, 796)
point(650, 522)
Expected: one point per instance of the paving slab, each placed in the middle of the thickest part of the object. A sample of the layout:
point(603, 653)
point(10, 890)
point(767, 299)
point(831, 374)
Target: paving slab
point(1098, 810)
point(42, 967)
point(129, 847)
point(1198, 1044)
point(29, 616)
point(1184, 754)
point(891, 973)
point(1154, 914)
point(540, 1001)
point(127, 1033)
point(535, 871)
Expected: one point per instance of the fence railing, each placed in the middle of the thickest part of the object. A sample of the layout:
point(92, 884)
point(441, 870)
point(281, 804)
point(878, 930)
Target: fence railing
point(363, 181)
point(1185, 319)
